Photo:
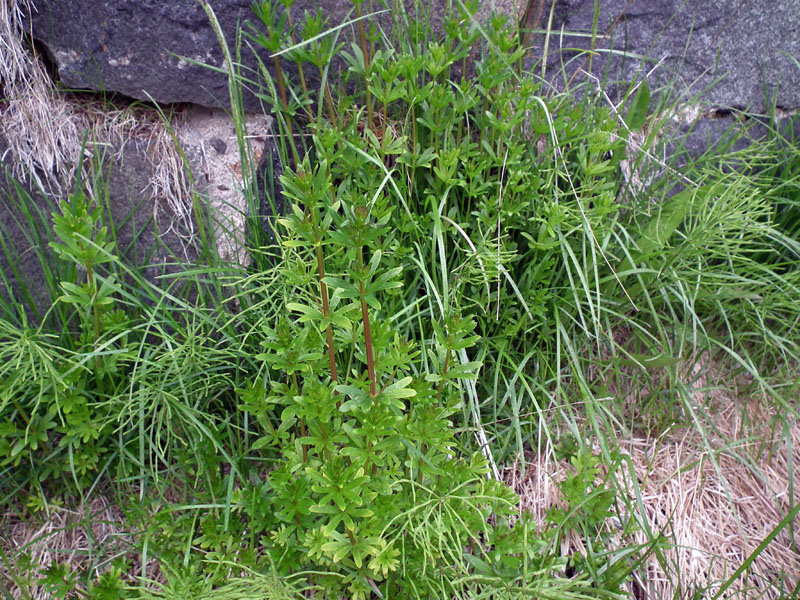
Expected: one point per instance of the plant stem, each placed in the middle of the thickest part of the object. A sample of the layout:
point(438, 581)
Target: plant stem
point(420, 477)
point(96, 314)
point(323, 290)
point(368, 462)
point(95, 308)
point(367, 340)
point(20, 411)
point(413, 151)
point(299, 63)
point(282, 88)
point(365, 49)
point(326, 453)
point(301, 426)
point(367, 331)
point(329, 99)
point(389, 381)
point(444, 373)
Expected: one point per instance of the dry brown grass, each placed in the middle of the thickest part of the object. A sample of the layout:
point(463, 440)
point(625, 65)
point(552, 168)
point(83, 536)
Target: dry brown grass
point(714, 499)
point(40, 127)
point(85, 538)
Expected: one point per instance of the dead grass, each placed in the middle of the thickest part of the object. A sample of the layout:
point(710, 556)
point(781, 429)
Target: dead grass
point(41, 128)
point(85, 538)
point(714, 498)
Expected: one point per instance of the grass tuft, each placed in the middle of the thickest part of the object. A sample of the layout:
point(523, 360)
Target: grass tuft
point(496, 341)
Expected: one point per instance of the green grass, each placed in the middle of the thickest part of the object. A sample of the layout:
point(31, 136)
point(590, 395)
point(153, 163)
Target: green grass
point(463, 280)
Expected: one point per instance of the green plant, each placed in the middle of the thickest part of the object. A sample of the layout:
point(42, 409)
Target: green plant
point(59, 412)
point(590, 507)
point(364, 440)
point(83, 242)
point(462, 276)
point(112, 349)
point(452, 167)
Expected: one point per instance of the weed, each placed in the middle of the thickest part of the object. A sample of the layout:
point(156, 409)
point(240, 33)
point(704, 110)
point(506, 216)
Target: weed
point(470, 267)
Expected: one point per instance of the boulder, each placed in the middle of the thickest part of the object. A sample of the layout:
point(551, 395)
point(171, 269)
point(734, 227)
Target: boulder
point(151, 49)
point(742, 53)
point(209, 142)
point(139, 48)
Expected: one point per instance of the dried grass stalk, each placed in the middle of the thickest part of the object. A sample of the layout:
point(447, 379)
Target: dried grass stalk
point(713, 507)
point(87, 538)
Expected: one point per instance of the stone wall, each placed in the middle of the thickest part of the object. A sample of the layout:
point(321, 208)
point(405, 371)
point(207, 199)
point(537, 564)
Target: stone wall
point(153, 49)
point(744, 54)
point(740, 54)
point(719, 56)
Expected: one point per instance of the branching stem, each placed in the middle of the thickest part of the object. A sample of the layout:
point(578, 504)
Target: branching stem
point(323, 290)
point(367, 331)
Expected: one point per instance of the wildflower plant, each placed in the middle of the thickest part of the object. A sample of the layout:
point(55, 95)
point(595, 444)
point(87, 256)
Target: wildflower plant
point(396, 209)
point(363, 431)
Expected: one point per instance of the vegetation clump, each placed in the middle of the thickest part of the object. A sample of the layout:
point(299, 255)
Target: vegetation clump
point(464, 278)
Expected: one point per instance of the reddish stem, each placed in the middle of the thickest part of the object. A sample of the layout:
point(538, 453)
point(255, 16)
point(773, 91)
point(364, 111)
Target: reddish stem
point(323, 290)
point(368, 341)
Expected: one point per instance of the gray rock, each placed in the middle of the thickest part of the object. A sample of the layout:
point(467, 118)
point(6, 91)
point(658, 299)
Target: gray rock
point(205, 134)
point(218, 145)
point(139, 48)
point(147, 236)
point(741, 49)
point(723, 132)
point(21, 258)
point(149, 48)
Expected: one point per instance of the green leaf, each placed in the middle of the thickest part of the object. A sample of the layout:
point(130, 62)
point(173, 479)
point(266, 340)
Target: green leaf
point(346, 289)
point(75, 294)
point(386, 281)
point(400, 389)
point(58, 579)
point(375, 261)
point(309, 313)
point(659, 361)
point(339, 548)
point(663, 224)
point(637, 112)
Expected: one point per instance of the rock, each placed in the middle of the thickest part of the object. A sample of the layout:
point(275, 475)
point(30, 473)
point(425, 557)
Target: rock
point(140, 48)
point(24, 280)
point(741, 49)
point(149, 49)
point(716, 59)
point(218, 145)
point(205, 135)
